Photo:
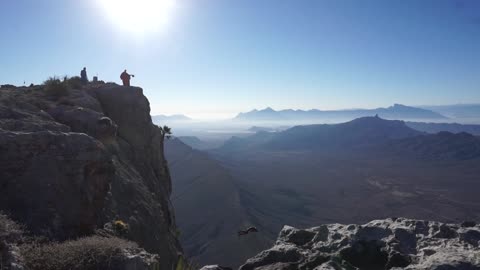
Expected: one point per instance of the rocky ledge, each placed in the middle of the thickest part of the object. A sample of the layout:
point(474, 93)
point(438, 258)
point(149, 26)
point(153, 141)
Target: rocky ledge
point(397, 243)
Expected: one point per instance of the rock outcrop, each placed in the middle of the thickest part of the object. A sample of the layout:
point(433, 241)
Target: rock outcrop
point(381, 244)
point(70, 164)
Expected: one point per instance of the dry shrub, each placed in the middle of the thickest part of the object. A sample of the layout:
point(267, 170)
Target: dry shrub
point(74, 82)
point(55, 87)
point(89, 253)
point(9, 230)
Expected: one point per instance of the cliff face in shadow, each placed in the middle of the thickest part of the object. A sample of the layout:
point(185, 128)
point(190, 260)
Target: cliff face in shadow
point(71, 163)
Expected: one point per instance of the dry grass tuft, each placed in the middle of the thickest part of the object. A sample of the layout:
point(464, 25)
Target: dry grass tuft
point(89, 253)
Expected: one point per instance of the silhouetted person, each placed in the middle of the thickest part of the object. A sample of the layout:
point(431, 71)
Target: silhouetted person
point(83, 76)
point(126, 78)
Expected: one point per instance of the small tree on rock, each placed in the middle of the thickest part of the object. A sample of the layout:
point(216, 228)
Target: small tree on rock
point(166, 132)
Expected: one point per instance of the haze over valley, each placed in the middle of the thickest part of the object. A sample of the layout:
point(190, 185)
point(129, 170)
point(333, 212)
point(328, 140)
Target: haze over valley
point(349, 172)
point(246, 135)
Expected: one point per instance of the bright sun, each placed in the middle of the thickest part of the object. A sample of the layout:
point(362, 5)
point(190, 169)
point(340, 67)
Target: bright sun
point(139, 16)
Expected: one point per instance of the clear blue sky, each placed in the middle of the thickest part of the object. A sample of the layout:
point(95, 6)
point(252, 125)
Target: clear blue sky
point(219, 57)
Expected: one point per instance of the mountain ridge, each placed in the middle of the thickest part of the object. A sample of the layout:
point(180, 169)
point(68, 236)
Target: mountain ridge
point(355, 133)
point(173, 117)
point(395, 112)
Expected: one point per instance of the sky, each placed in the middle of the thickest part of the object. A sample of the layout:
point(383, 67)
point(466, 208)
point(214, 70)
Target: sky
point(216, 58)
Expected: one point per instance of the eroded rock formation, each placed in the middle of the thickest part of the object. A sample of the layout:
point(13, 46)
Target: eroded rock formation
point(381, 244)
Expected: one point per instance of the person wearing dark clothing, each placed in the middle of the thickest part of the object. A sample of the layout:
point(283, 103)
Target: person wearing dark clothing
point(126, 78)
point(83, 76)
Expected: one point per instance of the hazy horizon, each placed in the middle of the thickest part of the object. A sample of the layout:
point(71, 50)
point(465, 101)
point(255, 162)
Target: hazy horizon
point(219, 117)
point(212, 59)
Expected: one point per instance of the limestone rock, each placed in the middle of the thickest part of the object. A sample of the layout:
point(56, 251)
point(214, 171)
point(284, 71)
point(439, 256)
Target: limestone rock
point(381, 244)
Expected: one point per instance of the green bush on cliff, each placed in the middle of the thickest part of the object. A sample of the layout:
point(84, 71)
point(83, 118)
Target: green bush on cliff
point(89, 253)
point(166, 132)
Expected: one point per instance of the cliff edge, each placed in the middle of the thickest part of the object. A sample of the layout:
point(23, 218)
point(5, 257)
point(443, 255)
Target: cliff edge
point(71, 164)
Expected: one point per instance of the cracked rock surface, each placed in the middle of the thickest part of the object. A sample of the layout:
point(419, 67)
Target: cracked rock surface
point(397, 243)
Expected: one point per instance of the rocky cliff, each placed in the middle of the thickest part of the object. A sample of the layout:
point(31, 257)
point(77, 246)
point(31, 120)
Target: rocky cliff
point(71, 164)
point(381, 244)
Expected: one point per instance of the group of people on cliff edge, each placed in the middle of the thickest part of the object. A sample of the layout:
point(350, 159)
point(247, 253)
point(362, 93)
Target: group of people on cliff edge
point(125, 77)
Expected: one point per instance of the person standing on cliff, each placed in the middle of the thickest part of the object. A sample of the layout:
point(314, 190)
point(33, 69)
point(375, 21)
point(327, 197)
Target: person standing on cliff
point(83, 76)
point(126, 78)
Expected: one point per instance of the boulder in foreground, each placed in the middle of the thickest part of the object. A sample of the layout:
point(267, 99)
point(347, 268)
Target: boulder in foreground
point(380, 244)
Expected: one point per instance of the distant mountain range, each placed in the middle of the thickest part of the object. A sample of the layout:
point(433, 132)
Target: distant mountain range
point(464, 111)
point(358, 132)
point(395, 112)
point(175, 117)
point(362, 135)
point(268, 129)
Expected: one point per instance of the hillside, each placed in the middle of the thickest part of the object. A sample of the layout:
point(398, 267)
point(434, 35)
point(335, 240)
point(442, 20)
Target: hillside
point(356, 133)
point(449, 127)
point(209, 208)
point(78, 159)
point(441, 146)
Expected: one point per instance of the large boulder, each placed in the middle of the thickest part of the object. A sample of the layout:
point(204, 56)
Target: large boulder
point(381, 244)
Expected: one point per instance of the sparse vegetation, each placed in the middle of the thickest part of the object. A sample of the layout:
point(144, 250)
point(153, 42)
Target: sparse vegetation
point(9, 229)
point(89, 253)
point(74, 82)
point(60, 87)
point(56, 87)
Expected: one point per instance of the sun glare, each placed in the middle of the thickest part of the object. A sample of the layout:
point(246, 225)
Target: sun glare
point(139, 16)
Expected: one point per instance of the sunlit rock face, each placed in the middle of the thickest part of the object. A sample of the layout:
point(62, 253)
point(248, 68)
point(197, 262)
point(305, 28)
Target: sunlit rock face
point(380, 244)
point(70, 164)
